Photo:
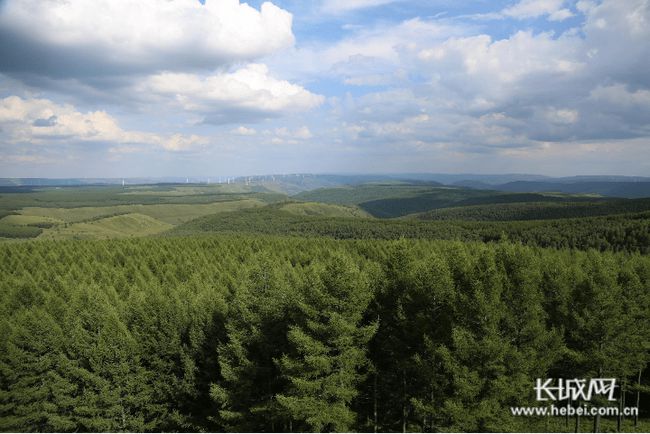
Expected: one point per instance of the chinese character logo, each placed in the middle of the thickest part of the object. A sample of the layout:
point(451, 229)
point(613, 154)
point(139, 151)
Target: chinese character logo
point(574, 389)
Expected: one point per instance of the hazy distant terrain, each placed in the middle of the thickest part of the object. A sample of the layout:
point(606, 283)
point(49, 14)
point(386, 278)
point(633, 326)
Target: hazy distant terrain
point(360, 209)
point(291, 184)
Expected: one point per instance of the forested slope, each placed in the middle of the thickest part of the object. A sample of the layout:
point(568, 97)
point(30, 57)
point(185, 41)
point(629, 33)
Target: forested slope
point(634, 189)
point(400, 199)
point(258, 333)
point(537, 210)
point(626, 232)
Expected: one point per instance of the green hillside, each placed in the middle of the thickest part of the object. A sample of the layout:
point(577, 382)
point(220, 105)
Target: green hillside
point(60, 211)
point(323, 210)
point(158, 311)
point(121, 226)
point(169, 213)
point(397, 200)
point(537, 210)
point(625, 232)
point(354, 195)
point(103, 196)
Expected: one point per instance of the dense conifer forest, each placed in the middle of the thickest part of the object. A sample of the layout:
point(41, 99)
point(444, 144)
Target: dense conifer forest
point(621, 232)
point(235, 308)
point(266, 333)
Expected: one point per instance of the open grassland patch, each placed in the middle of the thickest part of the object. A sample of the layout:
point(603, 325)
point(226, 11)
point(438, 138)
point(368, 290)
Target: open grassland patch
point(168, 213)
point(122, 226)
point(324, 210)
point(189, 190)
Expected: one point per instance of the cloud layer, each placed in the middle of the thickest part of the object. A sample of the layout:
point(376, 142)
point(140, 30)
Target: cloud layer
point(554, 9)
point(341, 6)
point(487, 94)
point(42, 122)
point(552, 86)
point(80, 38)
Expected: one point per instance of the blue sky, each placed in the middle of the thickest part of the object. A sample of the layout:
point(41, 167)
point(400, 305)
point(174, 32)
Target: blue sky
point(116, 88)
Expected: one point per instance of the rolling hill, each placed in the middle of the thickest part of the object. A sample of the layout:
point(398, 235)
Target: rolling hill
point(121, 226)
point(323, 210)
point(623, 232)
point(630, 190)
point(537, 210)
point(169, 213)
point(358, 194)
point(389, 200)
point(28, 212)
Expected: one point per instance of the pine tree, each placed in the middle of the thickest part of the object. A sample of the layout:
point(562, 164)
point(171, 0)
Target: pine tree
point(260, 311)
point(428, 306)
point(501, 342)
point(328, 347)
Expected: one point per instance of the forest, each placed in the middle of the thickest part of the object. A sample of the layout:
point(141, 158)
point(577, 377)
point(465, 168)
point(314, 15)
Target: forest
point(621, 232)
point(266, 333)
point(237, 308)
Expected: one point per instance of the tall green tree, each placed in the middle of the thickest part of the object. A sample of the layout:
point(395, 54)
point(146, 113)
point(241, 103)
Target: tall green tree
point(501, 343)
point(260, 311)
point(327, 347)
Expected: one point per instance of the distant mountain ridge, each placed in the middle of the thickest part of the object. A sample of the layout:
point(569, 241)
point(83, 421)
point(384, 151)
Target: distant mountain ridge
point(291, 184)
point(629, 190)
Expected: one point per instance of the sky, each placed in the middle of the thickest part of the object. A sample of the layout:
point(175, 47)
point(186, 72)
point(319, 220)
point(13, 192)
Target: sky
point(151, 88)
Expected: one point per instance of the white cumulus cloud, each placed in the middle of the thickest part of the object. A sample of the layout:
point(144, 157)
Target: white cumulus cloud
point(554, 9)
point(249, 91)
point(243, 131)
point(41, 121)
point(485, 66)
point(54, 37)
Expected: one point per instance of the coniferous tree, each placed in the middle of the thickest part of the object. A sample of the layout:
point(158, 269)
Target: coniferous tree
point(260, 312)
point(328, 347)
